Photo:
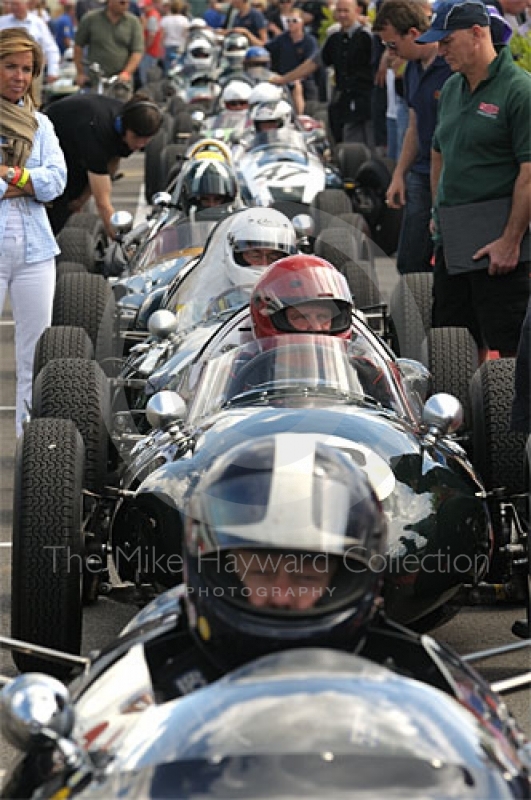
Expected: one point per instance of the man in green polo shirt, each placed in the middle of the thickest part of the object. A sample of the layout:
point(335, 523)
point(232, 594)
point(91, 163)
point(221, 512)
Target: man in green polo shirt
point(113, 38)
point(481, 179)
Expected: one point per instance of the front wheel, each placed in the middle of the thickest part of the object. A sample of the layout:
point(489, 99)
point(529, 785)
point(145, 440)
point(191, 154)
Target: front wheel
point(77, 389)
point(46, 607)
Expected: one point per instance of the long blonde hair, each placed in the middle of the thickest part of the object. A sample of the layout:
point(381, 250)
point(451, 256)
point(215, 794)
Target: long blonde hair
point(17, 40)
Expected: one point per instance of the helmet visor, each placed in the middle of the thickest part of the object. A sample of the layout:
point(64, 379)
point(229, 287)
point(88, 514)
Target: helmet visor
point(200, 52)
point(211, 178)
point(279, 239)
point(316, 316)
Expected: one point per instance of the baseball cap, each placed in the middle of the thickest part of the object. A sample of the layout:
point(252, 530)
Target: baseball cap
point(450, 15)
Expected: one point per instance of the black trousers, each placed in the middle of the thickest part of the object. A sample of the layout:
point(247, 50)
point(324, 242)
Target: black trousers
point(492, 307)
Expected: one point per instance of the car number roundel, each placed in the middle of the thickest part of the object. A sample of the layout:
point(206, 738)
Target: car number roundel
point(379, 473)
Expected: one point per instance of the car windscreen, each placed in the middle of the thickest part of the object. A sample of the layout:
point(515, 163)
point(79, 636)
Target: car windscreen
point(280, 145)
point(295, 366)
point(172, 239)
point(206, 293)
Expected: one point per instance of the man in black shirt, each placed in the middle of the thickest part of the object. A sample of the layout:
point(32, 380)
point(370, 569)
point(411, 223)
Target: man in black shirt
point(94, 132)
point(349, 52)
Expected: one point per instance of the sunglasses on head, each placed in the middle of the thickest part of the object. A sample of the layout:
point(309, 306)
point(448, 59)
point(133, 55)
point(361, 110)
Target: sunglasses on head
point(293, 19)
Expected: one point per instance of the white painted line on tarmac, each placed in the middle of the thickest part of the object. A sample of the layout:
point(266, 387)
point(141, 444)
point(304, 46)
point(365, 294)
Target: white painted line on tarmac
point(6, 544)
point(7, 408)
point(7, 322)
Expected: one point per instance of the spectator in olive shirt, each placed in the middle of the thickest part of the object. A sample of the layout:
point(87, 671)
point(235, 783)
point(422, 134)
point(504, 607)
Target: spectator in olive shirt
point(481, 152)
point(113, 38)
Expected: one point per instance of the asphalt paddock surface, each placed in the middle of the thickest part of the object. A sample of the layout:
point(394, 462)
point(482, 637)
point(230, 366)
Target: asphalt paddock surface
point(474, 628)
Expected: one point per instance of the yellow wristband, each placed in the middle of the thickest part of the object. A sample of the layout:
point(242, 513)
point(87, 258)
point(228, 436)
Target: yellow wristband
point(24, 178)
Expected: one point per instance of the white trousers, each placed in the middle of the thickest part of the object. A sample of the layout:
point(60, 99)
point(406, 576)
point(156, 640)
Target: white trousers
point(31, 288)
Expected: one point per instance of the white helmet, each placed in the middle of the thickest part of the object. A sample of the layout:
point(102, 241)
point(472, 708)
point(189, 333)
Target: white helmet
point(236, 92)
point(265, 93)
point(235, 45)
point(200, 53)
point(197, 23)
point(255, 228)
point(264, 114)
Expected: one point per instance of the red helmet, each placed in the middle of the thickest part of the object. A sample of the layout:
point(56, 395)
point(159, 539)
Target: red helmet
point(294, 281)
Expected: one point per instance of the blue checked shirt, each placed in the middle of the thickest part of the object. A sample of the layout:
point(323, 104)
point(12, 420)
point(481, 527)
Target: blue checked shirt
point(47, 166)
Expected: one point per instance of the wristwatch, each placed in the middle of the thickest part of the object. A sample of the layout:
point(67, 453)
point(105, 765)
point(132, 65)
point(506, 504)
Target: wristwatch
point(10, 174)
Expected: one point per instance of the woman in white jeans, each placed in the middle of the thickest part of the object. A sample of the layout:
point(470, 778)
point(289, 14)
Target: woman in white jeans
point(32, 173)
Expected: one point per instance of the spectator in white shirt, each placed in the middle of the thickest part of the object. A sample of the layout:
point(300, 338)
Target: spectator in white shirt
point(174, 31)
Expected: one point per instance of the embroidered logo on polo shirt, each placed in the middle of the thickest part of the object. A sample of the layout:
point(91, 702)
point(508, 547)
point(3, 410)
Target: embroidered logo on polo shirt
point(488, 110)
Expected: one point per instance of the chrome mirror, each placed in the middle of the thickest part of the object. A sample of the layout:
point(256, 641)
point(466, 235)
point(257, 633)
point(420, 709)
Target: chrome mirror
point(162, 323)
point(35, 709)
point(165, 408)
point(442, 414)
point(122, 221)
point(161, 199)
point(303, 225)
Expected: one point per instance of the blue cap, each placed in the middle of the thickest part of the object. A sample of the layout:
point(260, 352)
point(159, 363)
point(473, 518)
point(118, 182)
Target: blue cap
point(453, 15)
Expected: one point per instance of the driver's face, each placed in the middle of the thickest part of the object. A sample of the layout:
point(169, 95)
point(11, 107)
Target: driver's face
point(212, 200)
point(261, 256)
point(267, 125)
point(313, 316)
point(295, 581)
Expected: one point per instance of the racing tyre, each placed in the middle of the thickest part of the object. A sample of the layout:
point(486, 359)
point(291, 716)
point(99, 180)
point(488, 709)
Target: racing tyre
point(154, 178)
point(87, 221)
point(356, 221)
point(175, 105)
point(87, 301)
point(337, 245)
point(167, 123)
point(78, 389)
point(183, 126)
point(410, 308)
point(349, 157)
point(365, 244)
point(453, 360)
point(172, 159)
point(77, 244)
point(61, 341)
point(343, 248)
point(67, 267)
point(156, 89)
point(498, 452)
point(362, 284)
point(46, 606)
point(154, 75)
point(326, 205)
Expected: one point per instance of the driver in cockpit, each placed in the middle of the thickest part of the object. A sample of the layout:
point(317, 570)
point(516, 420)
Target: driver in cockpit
point(306, 294)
